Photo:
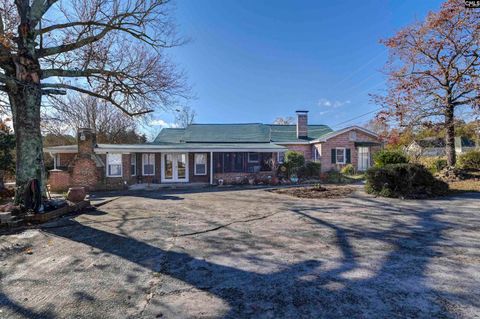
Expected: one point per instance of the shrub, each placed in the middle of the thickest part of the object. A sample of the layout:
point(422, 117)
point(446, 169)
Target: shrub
point(403, 180)
point(469, 160)
point(348, 169)
point(310, 169)
point(438, 165)
point(385, 157)
point(282, 171)
point(293, 161)
point(433, 164)
point(336, 177)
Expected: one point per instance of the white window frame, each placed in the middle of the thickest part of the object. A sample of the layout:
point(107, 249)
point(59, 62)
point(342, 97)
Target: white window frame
point(56, 161)
point(344, 155)
point(278, 157)
point(316, 154)
point(352, 136)
point(250, 161)
point(143, 163)
point(108, 164)
point(195, 164)
point(133, 161)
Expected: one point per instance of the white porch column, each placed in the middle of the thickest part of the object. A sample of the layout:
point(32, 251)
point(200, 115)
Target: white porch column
point(54, 160)
point(211, 168)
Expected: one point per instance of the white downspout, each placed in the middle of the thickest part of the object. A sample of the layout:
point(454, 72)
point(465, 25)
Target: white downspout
point(211, 168)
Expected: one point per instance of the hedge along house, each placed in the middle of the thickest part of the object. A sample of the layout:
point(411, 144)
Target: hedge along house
point(207, 153)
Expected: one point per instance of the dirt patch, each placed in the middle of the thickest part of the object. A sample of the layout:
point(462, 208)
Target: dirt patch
point(326, 191)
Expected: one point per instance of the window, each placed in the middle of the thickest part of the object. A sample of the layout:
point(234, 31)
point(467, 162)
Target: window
point(200, 164)
point(316, 154)
point(353, 136)
point(133, 164)
point(253, 157)
point(148, 164)
point(229, 162)
point(280, 157)
point(114, 165)
point(266, 162)
point(340, 155)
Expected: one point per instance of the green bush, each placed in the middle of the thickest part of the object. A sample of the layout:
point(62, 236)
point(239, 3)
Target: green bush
point(336, 177)
point(403, 180)
point(469, 160)
point(433, 164)
point(348, 169)
point(385, 157)
point(438, 165)
point(309, 170)
point(293, 162)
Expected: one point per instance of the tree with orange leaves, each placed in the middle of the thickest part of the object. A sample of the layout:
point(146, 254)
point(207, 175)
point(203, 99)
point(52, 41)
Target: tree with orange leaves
point(434, 69)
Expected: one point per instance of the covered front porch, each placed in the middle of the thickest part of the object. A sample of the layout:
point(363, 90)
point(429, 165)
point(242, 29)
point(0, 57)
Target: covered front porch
point(113, 166)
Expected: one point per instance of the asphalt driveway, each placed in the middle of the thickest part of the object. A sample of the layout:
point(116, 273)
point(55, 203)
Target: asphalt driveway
point(248, 254)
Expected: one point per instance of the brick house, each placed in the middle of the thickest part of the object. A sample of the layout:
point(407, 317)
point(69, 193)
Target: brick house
point(207, 153)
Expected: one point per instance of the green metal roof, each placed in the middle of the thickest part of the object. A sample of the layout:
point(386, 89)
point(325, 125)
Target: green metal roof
point(288, 133)
point(170, 135)
point(228, 133)
point(238, 133)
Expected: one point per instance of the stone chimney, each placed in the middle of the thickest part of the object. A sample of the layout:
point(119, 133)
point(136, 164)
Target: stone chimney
point(87, 141)
point(302, 124)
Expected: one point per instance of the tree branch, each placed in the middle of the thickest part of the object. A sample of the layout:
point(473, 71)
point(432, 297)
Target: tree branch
point(72, 46)
point(78, 73)
point(467, 101)
point(53, 92)
point(94, 94)
point(38, 10)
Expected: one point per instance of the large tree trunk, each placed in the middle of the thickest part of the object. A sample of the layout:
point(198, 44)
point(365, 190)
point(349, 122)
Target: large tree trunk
point(25, 100)
point(450, 136)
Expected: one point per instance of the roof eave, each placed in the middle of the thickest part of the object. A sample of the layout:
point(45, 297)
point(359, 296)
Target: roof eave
point(346, 129)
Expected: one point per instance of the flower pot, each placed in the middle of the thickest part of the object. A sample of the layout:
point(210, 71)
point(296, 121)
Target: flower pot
point(76, 194)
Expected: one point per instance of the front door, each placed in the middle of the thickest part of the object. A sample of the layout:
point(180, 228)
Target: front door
point(363, 158)
point(174, 167)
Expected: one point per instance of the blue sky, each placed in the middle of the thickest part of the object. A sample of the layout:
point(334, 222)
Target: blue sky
point(252, 61)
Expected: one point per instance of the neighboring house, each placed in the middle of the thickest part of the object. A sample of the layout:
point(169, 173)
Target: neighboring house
point(207, 153)
point(433, 146)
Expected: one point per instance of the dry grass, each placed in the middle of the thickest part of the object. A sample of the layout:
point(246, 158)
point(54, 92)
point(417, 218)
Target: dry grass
point(469, 185)
point(317, 192)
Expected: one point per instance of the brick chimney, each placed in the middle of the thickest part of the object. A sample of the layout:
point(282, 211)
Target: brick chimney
point(87, 141)
point(302, 124)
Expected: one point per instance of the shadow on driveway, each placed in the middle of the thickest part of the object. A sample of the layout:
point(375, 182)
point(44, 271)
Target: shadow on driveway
point(398, 289)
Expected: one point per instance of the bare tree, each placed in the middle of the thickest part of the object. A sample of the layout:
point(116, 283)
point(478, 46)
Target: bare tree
point(111, 125)
point(108, 49)
point(434, 69)
point(185, 116)
point(284, 120)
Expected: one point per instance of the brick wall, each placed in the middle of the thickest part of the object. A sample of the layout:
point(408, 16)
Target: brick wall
point(58, 180)
point(302, 125)
point(107, 182)
point(86, 140)
point(84, 173)
point(343, 140)
point(66, 159)
point(305, 149)
point(238, 178)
